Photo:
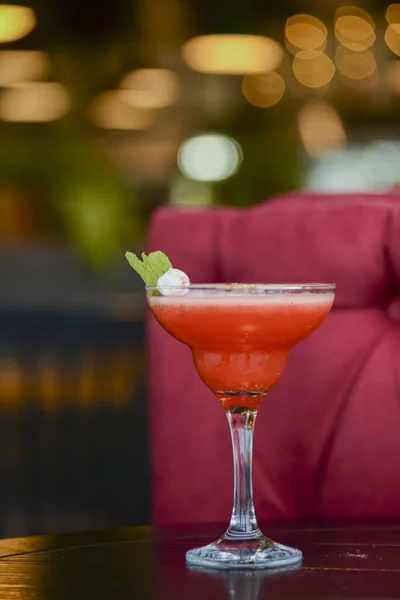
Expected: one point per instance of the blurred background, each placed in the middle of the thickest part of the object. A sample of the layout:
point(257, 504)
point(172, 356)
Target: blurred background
point(107, 111)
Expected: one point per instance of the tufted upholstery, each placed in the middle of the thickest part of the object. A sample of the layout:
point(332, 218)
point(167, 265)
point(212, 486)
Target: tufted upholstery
point(327, 440)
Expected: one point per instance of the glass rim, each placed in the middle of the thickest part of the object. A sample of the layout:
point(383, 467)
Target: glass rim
point(249, 287)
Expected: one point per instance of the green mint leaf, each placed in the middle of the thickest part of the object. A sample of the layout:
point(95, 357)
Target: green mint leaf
point(151, 267)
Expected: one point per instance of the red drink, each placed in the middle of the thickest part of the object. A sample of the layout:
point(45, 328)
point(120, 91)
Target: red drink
point(240, 342)
point(240, 336)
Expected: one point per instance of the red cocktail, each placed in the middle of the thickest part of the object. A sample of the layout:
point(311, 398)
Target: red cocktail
point(240, 337)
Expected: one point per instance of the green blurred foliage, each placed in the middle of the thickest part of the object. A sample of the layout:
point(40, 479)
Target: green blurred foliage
point(98, 212)
point(270, 156)
point(94, 210)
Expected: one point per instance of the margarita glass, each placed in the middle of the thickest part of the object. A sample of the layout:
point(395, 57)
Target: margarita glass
point(240, 336)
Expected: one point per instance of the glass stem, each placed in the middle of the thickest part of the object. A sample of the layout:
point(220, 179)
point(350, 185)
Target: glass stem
point(243, 521)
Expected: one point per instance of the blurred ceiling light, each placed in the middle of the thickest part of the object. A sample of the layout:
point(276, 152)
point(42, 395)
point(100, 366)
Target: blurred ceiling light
point(18, 66)
point(321, 129)
point(353, 24)
point(392, 38)
point(354, 29)
point(355, 65)
point(354, 11)
point(150, 88)
point(15, 22)
point(34, 102)
point(232, 54)
point(393, 14)
point(313, 68)
point(362, 85)
point(354, 46)
point(305, 32)
point(110, 111)
point(392, 76)
point(209, 157)
point(263, 90)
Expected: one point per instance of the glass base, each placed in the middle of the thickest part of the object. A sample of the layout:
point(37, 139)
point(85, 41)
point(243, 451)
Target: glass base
point(260, 553)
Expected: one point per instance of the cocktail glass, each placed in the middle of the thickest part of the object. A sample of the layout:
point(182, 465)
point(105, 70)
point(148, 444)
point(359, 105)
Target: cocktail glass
point(240, 336)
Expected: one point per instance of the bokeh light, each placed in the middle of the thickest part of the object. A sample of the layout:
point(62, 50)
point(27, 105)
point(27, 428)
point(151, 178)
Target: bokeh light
point(354, 25)
point(354, 11)
point(305, 32)
point(263, 90)
point(34, 102)
point(393, 14)
point(321, 129)
point(391, 76)
point(15, 22)
point(232, 54)
point(355, 64)
point(392, 38)
point(150, 88)
point(313, 68)
point(209, 157)
point(371, 166)
point(110, 111)
point(363, 85)
point(19, 66)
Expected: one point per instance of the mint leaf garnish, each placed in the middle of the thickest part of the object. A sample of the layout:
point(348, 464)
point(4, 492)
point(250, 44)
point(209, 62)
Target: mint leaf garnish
point(151, 267)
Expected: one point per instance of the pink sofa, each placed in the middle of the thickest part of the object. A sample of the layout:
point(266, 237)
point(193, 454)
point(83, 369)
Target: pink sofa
point(327, 440)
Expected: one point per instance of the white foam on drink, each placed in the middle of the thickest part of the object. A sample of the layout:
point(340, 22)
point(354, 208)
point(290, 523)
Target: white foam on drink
point(254, 298)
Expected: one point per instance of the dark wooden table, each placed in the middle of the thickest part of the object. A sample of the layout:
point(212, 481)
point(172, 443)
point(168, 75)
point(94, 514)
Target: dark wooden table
point(341, 560)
